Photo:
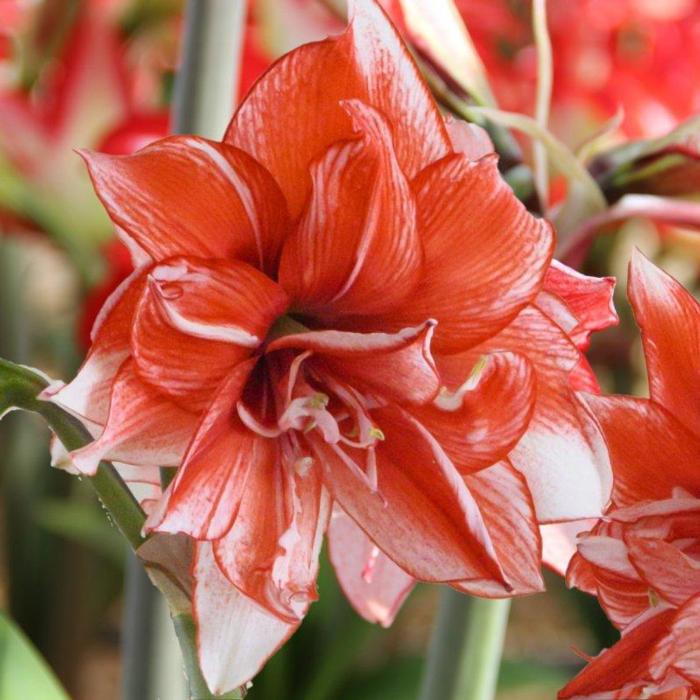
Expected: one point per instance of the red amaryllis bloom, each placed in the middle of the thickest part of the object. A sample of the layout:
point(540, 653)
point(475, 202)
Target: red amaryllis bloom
point(637, 54)
point(337, 306)
point(643, 559)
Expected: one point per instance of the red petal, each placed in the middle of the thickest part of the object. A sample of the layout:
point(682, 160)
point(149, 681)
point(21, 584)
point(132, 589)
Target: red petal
point(624, 667)
point(356, 248)
point(203, 499)
point(398, 366)
point(589, 299)
point(651, 452)
point(481, 427)
point(235, 636)
point(196, 320)
point(88, 395)
point(470, 139)
point(271, 552)
point(142, 427)
point(421, 514)
point(509, 513)
point(668, 571)
point(374, 585)
point(681, 648)
point(298, 101)
point(562, 453)
point(669, 318)
point(485, 255)
point(185, 195)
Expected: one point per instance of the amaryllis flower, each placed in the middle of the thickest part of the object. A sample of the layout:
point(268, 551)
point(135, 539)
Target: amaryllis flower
point(338, 309)
point(643, 559)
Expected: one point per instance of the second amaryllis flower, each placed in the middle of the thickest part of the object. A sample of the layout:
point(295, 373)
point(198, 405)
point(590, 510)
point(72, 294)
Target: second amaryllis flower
point(338, 306)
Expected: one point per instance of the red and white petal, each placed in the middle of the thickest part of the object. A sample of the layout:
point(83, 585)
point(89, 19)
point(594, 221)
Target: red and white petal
point(589, 299)
point(142, 427)
point(562, 453)
point(185, 195)
point(485, 254)
point(271, 552)
point(481, 422)
point(559, 543)
point(356, 248)
point(222, 300)
point(417, 508)
point(651, 451)
point(203, 498)
point(235, 636)
point(88, 395)
point(196, 320)
point(397, 366)
point(669, 318)
point(299, 101)
point(375, 586)
point(509, 513)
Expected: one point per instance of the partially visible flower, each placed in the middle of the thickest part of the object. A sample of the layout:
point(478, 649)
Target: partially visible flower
point(339, 308)
point(636, 54)
point(82, 98)
point(642, 559)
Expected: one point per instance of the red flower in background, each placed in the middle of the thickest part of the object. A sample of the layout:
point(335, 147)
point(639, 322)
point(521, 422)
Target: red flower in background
point(338, 304)
point(643, 559)
point(638, 54)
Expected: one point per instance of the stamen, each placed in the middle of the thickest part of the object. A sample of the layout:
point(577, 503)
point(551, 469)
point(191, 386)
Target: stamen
point(319, 400)
point(377, 434)
point(452, 401)
point(303, 465)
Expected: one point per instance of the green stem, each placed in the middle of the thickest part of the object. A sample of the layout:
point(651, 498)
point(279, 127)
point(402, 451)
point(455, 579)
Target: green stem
point(185, 630)
point(466, 647)
point(208, 78)
point(20, 388)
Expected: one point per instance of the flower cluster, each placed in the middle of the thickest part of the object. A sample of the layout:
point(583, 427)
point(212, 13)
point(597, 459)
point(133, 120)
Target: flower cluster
point(341, 322)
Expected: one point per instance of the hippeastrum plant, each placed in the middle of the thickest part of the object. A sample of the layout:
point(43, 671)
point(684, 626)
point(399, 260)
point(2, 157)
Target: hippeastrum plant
point(642, 559)
point(341, 322)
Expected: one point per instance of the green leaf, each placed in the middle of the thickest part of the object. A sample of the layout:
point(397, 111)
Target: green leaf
point(23, 673)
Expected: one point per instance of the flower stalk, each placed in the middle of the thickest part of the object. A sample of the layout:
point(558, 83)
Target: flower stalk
point(20, 388)
point(466, 647)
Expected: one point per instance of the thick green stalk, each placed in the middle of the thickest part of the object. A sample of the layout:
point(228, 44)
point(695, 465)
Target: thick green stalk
point(544, 94)
point(20, 387)
point(466, 647)
point(208, 78)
